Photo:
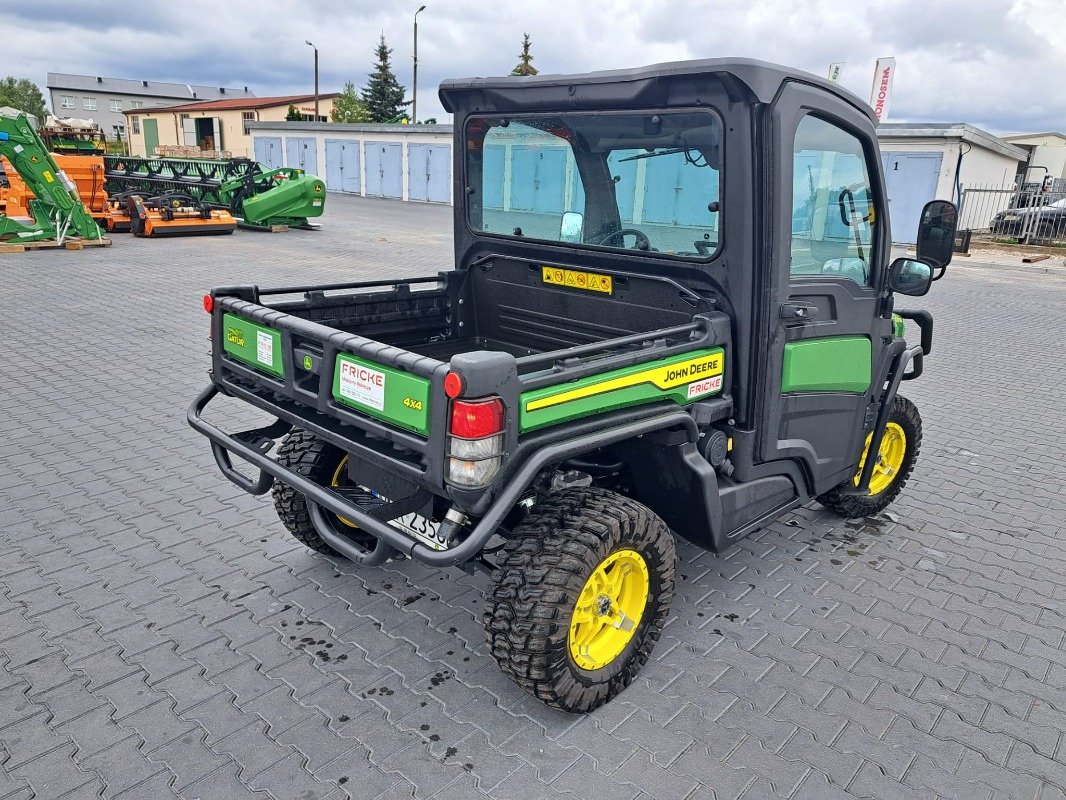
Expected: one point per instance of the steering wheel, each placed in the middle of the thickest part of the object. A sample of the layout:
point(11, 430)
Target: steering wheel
point(642, 243)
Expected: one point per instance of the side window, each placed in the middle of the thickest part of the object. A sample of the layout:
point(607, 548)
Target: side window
point(832, 207)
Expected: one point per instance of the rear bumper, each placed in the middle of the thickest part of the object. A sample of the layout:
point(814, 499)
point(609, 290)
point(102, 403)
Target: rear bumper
point(254, 447)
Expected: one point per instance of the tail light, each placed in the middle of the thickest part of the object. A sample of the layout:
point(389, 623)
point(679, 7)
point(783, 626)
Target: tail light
point(475, 441)
point(209, 303)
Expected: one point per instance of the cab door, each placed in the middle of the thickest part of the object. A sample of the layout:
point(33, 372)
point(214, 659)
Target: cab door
point(829, 248)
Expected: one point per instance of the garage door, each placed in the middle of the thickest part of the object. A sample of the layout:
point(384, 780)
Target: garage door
point(537, 175)
point(910, 180)
point(302, 153)
point(267, 151)
point(429, 172)
point(342, 165)
point(384, 169)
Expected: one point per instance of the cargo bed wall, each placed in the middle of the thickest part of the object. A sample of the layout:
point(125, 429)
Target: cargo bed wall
point(539, 308)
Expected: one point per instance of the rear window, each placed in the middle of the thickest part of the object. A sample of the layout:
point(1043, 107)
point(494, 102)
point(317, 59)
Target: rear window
point(647, 181)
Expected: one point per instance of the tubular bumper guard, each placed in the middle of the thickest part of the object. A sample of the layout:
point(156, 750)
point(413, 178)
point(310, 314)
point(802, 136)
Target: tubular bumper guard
point(253, 447)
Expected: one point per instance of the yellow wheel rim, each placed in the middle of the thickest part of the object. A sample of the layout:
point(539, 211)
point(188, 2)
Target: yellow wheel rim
point(889, 458)
point(608, 610)
point(340, 478)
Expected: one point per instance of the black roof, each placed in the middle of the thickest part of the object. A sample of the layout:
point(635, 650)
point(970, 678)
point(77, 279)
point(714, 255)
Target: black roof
point(758, 80)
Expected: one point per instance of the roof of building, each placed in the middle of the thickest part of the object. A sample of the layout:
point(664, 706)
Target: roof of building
point(237, 104)
point(160, 89)
point(950, 130)
point(1022, 137)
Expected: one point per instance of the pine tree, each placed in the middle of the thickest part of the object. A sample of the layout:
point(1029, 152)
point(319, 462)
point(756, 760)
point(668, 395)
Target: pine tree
point(384, 94)
point(348, 107)
point(525, 60)
point(292, 115)
point(23, 95)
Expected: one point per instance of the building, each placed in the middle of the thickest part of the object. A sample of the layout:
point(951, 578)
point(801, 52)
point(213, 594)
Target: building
point(105, 99)
point(1047, 157)
point(933, 160)
point(219, 125)
point(403, 162)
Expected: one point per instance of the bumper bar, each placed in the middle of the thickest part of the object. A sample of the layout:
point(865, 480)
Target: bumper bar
point(251, 447)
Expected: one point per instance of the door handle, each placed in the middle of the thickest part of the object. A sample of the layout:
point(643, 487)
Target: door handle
point(796, 311)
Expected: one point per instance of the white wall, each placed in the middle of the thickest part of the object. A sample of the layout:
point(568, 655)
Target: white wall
point(363, 134)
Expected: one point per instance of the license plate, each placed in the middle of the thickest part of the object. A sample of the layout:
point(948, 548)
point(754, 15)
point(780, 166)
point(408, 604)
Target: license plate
point(425, 530)
point(1011, 218)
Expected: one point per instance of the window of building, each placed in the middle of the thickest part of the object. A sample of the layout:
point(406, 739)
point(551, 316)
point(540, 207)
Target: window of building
point(247, 116)
point(114, 105)
point(136, 104)
point(89, 103)
point(833, 212)
point(66, 101)
point(135, 124)
point(118, 131)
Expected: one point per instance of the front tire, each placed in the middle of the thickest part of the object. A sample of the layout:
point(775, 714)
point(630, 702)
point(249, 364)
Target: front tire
point(579, 597)
point(896, 458)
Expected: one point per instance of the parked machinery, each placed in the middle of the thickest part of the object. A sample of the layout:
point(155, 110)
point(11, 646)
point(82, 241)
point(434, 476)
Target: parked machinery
point(258, 196)
point(49, 207)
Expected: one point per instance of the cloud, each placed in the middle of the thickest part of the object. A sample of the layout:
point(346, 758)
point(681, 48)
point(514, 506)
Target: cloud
point(993, 64)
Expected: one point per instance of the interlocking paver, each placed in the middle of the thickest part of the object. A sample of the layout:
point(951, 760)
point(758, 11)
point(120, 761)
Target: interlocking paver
point(160, 635)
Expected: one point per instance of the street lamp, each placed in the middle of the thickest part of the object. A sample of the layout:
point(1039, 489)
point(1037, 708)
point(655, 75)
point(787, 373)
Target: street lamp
point(316, 77)
point(414, 87)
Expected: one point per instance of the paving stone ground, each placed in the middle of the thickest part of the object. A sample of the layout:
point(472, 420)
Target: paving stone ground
point(161, 636)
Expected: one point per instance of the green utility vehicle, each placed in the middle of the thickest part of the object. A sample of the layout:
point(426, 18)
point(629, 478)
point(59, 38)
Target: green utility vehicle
point(671, 314)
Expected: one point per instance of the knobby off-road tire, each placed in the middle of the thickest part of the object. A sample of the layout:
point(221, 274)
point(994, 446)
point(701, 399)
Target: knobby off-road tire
point(839, 500)
point(313, 458)
point(540, 576)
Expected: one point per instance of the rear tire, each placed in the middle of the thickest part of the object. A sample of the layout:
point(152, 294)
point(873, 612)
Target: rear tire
point(548, 565)
point(843, 501)
point(321, 462)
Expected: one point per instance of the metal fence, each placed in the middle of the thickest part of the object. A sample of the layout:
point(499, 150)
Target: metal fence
point(1027, 213)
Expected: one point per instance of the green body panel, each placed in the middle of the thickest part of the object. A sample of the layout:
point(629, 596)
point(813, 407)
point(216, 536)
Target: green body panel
point(256, 345)
point(292, 201)
point(387, 393)
point(832, 364)
point(613, 398)
point(57, 209)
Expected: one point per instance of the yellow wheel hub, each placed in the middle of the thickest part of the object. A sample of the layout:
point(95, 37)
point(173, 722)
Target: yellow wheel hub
point(609, 609)
point(340, 478)
point(889, 458)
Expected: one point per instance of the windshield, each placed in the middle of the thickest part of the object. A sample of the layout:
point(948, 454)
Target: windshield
point(648, 182)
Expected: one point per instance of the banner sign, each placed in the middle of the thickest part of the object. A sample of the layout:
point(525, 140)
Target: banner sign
point(881, 91)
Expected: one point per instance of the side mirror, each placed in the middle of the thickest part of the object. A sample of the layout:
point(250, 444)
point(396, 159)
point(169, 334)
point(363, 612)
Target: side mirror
point(907, 276)
point(936, 234)
point(570, 227)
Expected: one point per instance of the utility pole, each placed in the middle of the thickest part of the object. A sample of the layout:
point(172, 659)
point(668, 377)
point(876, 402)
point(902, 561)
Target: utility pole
point(414, 83)
point(316, 77)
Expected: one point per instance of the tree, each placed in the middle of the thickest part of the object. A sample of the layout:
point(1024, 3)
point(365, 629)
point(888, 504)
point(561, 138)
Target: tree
point(24, 95)
point(348, 107)
point(292, 115)
point(384, 94)
point(525, 60)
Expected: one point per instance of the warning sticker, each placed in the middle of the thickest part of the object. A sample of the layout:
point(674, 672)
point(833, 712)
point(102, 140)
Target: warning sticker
point(362, 384)
point(264, 348)
point(576, 279)
point(704, 387)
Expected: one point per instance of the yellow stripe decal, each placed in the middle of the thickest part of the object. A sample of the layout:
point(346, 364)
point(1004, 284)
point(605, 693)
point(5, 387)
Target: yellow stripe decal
point(663, 377)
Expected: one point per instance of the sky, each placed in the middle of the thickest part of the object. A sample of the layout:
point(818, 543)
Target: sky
point(996, 64)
